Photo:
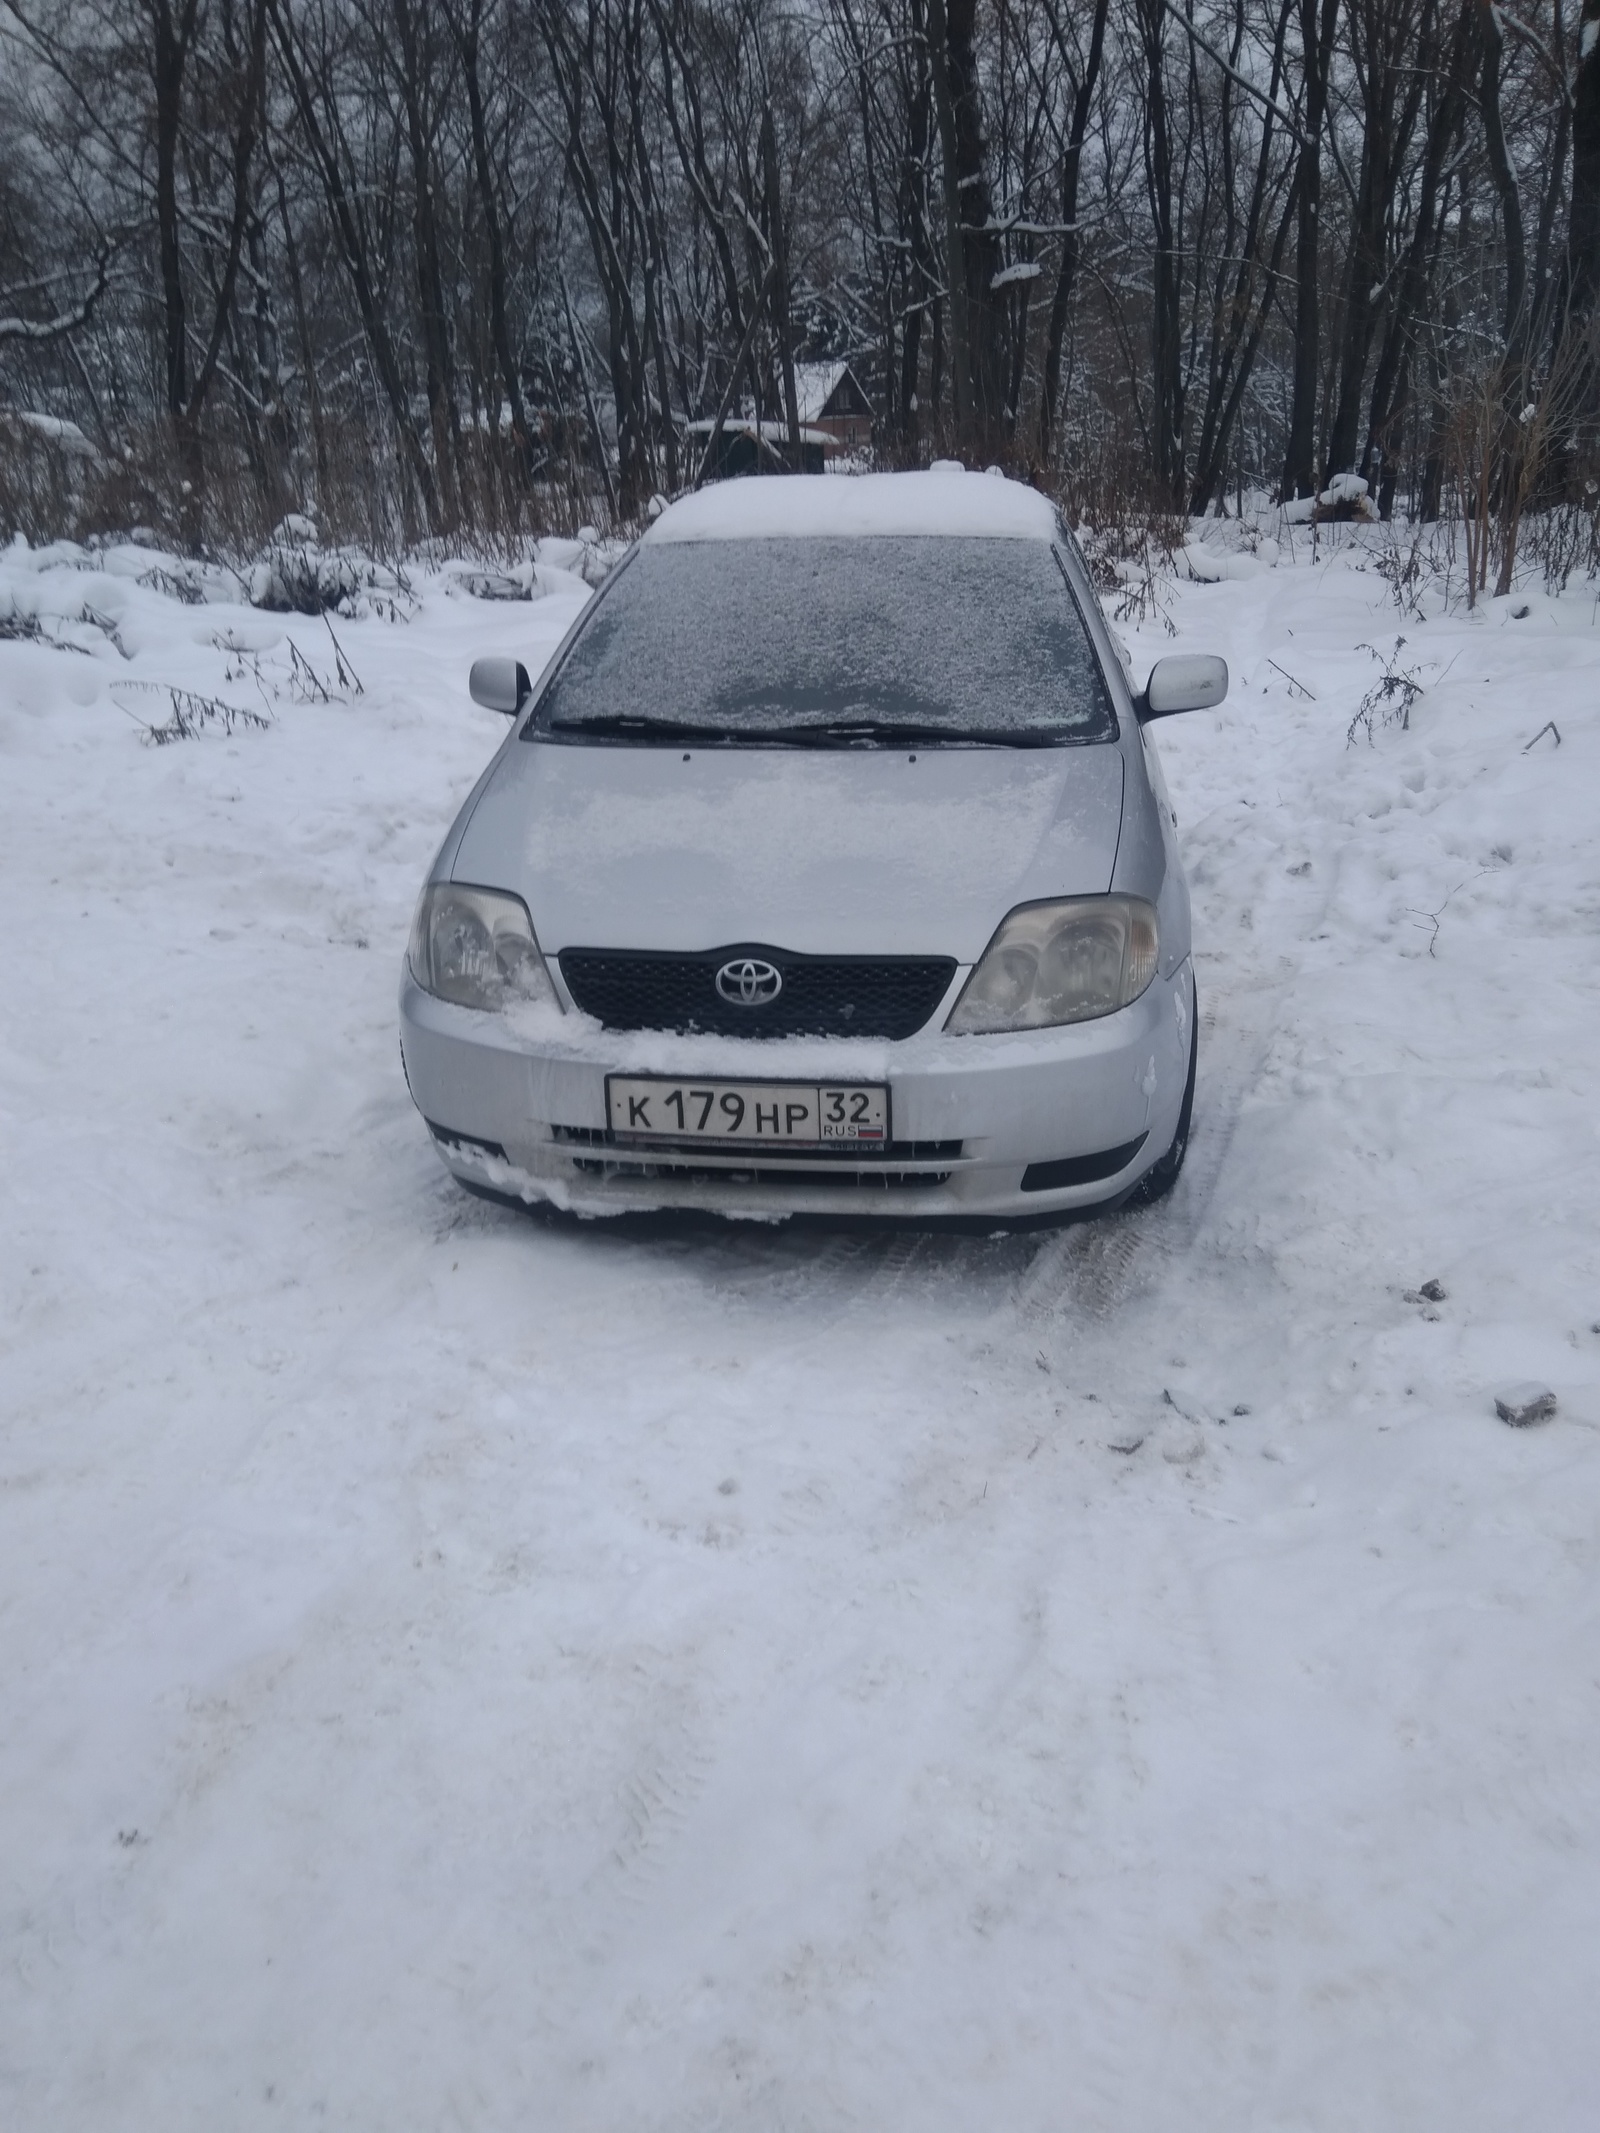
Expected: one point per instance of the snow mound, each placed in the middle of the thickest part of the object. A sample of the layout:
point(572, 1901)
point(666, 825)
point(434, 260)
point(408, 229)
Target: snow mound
point(588, 558)
point(1210, 567)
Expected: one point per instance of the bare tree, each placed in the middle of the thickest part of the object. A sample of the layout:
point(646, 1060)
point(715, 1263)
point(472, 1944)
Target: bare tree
point(466, 265)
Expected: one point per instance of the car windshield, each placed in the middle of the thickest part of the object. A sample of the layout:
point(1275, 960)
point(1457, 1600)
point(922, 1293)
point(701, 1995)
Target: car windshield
point(833, 642)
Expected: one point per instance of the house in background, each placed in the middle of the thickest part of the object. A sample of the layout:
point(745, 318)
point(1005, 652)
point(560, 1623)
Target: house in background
point(835, 420)
point(832, 401)
point(745, 447)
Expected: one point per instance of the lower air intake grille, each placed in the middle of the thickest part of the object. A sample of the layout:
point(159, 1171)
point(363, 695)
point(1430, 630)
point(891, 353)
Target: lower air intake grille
point(833, 1152)
point(820, 996)
point(867, 1180)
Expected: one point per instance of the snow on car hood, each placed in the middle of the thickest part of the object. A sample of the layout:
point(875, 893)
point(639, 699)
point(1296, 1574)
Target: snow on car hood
point(817, 851)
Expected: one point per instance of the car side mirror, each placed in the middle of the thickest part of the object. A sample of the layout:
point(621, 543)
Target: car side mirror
point(1194, 681)
point(503, 684)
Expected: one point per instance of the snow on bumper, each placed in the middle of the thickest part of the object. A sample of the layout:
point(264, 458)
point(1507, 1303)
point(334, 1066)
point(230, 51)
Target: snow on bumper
point(521, 1107)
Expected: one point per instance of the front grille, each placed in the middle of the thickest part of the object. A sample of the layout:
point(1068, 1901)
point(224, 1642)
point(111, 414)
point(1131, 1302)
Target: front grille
point(821, 995)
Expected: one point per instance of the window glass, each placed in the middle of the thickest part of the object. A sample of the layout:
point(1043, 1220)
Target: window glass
point(766, 639)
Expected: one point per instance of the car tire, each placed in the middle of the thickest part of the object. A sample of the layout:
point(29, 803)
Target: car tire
point(1160, 1178)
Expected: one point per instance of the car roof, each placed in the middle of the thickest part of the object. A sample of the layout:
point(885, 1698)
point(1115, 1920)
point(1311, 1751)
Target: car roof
point(942, 501)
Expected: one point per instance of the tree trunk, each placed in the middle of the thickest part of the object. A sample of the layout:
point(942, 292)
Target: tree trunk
point(324, 144)
point(1391, 385)
point(1243, 342)
point(438, 363)
point(276, 433)
point(308, 354)
point(1505, 183)
point(1316, 43)
point(1583, 220)
point(1381, 31)
point(972, 248)
point(1166, 346)
point(921, 280)
point(778, 239)
point(1067, 272)
point(1239, 312)
point(171, 55)
point(469, 44)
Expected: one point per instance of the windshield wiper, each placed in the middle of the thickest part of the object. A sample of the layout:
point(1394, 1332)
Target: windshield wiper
point(888, 733)
point(821, 733)
point(633, 725)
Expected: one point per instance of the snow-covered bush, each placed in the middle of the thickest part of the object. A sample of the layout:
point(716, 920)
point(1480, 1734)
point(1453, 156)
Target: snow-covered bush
point(588, 557)
point(296, 575)
point(14, 620)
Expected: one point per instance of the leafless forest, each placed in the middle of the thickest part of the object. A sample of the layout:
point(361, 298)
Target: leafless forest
point(470, 268)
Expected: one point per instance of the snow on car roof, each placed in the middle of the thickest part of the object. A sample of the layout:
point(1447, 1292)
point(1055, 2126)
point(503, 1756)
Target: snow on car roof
point(798, 506)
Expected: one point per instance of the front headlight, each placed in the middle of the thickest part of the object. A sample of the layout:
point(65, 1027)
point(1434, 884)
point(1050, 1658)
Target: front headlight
point(1059, 962)
point(476, 947)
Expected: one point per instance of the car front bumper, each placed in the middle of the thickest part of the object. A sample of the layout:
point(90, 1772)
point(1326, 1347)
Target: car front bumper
point(520, 1109)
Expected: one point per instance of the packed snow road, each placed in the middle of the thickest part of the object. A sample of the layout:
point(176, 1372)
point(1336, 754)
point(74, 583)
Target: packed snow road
point(464, 1669)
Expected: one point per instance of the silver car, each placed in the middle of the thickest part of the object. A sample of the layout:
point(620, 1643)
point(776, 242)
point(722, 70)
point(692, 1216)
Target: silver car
point(828, 868)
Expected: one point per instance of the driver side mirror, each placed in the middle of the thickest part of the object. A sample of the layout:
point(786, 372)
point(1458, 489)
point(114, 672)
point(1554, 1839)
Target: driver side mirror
point(1194, 681)
point(503, 684)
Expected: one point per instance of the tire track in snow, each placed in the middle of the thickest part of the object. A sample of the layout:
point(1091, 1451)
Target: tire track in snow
point(1137, 1633)
point(1208, 1786)
point(655, 1799)
point(767, 1268)
point(1090, 1270)
point(635, 1824)
point(1235, 1040)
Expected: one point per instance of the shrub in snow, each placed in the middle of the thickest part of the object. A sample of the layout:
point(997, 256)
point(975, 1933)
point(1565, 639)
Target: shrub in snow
point(1391, 696)
point(295, 575)
point(14, 621)
point(499, 584)
point(191, 715)
point(179, 581)
point(1346, 496)
point(588, 557)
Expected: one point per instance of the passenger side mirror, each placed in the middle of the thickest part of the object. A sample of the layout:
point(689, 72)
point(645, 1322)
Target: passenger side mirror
point(503, 684)
point(1194, 681)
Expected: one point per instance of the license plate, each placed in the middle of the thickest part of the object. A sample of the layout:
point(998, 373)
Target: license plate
point(799, 1114)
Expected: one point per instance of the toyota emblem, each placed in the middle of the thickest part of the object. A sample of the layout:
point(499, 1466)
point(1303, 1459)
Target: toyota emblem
point(749, 982)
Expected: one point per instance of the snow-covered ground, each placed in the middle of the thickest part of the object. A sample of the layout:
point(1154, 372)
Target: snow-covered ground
point(470, 1670)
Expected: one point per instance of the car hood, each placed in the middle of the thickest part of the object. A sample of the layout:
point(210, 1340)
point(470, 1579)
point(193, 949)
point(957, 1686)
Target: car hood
point(819, 851)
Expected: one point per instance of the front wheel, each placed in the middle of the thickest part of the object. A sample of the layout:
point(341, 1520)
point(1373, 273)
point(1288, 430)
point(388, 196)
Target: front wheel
point(1160, 1178)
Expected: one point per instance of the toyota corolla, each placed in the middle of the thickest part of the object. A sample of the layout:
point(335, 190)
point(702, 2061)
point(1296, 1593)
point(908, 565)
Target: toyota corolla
point(828, 867)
